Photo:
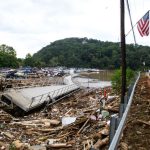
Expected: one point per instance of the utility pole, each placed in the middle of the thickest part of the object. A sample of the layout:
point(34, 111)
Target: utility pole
point(123, 50)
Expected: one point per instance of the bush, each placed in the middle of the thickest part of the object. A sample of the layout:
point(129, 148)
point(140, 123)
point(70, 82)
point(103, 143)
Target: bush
point(116, 79)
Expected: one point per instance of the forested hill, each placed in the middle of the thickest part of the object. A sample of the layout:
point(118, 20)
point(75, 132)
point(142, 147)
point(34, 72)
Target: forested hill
point(83, 52)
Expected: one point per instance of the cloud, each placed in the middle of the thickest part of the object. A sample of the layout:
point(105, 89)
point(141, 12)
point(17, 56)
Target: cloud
point(29, 25)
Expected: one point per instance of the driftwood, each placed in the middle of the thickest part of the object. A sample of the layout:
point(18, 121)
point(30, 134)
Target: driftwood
point(9, 135)
point(100, 143)
point(87, 144)
point(43, 138)
point(113, 103)
point(86, 122)
point(49, 129)
point(59, 145)
point(68, 111)
point(123, 146)
point(26, 124)
point(65, 135)
point(36, 123)
point(99, 134)
point(115, 110)
point(144, 122)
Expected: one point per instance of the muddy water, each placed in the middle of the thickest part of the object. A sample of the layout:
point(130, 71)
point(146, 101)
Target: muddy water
point(99, 79)
point(103, 75)
point(92, 83)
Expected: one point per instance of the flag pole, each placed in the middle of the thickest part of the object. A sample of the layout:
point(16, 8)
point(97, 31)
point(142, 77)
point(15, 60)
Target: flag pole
point(135, 24)
point(131, 21)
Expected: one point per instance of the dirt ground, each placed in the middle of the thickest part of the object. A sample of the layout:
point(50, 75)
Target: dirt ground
point(136, 135)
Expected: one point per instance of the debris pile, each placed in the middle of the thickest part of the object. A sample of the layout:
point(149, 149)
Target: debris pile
point(29, 82)
point(74, 123)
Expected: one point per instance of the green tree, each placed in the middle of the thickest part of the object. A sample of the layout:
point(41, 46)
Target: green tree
point(8, 56)
point(29, 61)
point(116, 79)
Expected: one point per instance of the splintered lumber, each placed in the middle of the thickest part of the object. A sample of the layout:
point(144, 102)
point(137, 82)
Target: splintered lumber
point(51, 121)
point(83, 126)
point(87, 144)
point(18, 144)
point(59, 145)
point(3, 145)
point(65, 135)
point(85, 122)
point(35, 123)
point(123, 146)
point(100, 143)
point(68, 111)
point(110, 109)
point(98, 135)
point(49, 129)
point(26, 124)
point(43, 138)
point(144, 122)
point(113, 103)
point(9, 135)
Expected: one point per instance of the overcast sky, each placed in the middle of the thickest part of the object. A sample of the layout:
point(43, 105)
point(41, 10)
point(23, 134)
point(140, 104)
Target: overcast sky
point(29, 25)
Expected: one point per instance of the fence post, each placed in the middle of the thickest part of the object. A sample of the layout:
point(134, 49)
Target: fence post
point(121, 110)
point(113, 123)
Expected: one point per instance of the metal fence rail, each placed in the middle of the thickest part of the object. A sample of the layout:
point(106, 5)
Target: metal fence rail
point(52, 95)
point(117, 123)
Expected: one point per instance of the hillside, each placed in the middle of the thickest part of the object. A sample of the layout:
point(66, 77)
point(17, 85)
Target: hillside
point(83, 52)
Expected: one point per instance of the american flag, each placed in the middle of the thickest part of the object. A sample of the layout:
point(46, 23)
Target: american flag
point(143, 25)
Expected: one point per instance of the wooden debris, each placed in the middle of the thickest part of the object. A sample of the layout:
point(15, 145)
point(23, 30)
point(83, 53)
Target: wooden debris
point(68, 111)
point(59, 145)
point(112, 109)
point(3, 146)
point(36, 123)
point(86, 122)
point(100, 143)
point(49, 129)
point(144, 122)
point(9, 135)
point(51, 121)
point(87, 144)
point(38, 128)
point(123, 146)
point(99, 134)
point(18, 145)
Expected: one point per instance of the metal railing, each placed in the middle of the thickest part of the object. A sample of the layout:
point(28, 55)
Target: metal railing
point(52, 95)
point(117, 122)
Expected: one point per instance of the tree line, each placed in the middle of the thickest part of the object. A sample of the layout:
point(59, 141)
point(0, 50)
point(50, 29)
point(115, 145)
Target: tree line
point(79, 52)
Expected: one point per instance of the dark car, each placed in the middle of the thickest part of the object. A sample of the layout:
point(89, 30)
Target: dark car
point(60, 74)
point(11, 74)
